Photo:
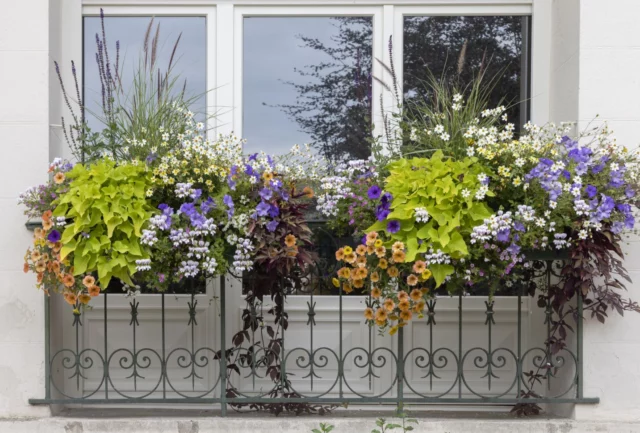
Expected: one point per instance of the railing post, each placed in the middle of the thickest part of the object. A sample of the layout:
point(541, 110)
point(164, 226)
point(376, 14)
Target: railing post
point(579, 349)
point(47, 346)
point(223, 350)
point(519, 363)
point(400, 368)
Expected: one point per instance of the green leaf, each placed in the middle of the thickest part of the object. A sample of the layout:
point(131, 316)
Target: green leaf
point(440, 272)
point(457, 243)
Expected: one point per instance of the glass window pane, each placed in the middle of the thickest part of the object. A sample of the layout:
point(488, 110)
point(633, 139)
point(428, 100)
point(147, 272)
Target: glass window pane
point(493, 44)
point(308, 80)
point(188, 65)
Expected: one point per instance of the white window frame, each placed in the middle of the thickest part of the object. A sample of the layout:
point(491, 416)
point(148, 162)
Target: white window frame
point(225, 39)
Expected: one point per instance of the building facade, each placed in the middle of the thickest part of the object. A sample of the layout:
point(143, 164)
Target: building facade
point(577, 59)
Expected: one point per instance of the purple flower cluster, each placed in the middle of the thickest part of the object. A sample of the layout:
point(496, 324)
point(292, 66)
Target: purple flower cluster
point(384, 208)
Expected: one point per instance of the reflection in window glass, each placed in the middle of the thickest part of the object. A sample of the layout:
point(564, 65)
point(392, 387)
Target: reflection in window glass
point(188, 66)
point(308, 80)
point(493, 44)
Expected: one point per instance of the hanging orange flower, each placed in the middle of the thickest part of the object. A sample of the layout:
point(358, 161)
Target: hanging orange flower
point(47, 215)
point(346, 287)
point(290, 240)
point(40, 277)
point(361, 261)
point(368, 313)
point(358, 283)
point(68, 280)
point(375, 277)
point(403, 296)
point(70, 298)
point(404, 305)
point(399, 256)
point(94, 291)
point(393, 272)
point(376, 293)
point(84, 298)
point(418, 307)
point(419, 267)
point(412, 280)
point(350, 258)
point(383, 264)
point(397, 246)
point(416, 295)
point(389, 305)
point(340, 255)
point(381, 315)
point(47, 224)
point(25, 268)
point(41, 266)
point(381, 251)
point(361, 250)
point(370, 249)
point(371, 237)
point(406, 315)
point(88, 281)
point(55, 267)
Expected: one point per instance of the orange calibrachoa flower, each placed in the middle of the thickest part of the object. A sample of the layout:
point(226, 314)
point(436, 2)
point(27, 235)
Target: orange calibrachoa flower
point(344, 272)
point(358, 283)
point(94, 291)
point(89, 281)
point(380, 252)
point(419, 267)
point(383, 264)
point(370, 249)
point(350, 258)
point(393, 272)
point(71, 298)
point(403, 296)
point(375, 277)
point(416, 295)
point(290, 240)
point(361, 273)
point(399, 256)
point(371, 237)
point(41, 266)
point(340, 255)
point(404, 305)
point(59, 177)
point(381, 316)
point(68, 280)
point(405, 315)
point(346, 287)
point(412, 280)
point(361, 250)
point(389, 305)
point(361, 261)
point(376, 293)
point(47, 215)
point(47, 224)
point(368, 313)
point(397, 246)
point(308, 192)
point(84, 298)
point(419, 306)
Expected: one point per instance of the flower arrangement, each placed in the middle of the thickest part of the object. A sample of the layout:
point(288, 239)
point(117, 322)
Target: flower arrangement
point(469, 210)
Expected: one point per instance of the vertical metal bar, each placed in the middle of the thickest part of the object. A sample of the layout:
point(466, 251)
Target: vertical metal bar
point(106, 350)
point(460, 344)
point(579, 350)
point(223, 351)
point(164, 359)
point(549, 265)
point(400, 368)
point(283, 367)
point(340, 360)
point(525, 74)
point(519, 362)
point(47, 346)
point(311, 323)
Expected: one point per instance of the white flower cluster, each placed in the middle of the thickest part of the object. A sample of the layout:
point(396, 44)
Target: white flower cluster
point(421, 215)
point(242, 257)
point(143, 265)
point(338, 186)
point(436, 257)
point(526, 213)
point(492, 227)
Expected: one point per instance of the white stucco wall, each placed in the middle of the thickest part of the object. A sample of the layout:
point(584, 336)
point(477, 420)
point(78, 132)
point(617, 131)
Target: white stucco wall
point(24, 137)
point(594, 70)
point(609, 86)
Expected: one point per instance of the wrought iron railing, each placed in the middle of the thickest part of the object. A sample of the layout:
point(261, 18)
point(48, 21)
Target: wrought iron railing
point(245, 360)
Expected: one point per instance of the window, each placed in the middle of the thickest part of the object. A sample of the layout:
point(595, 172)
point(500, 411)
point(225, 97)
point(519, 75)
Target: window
point(308, 80)
point(187, 63)
point(459, 48)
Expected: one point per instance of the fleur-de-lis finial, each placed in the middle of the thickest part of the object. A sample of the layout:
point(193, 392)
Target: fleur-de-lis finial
point(134, 313)
point(489, 313)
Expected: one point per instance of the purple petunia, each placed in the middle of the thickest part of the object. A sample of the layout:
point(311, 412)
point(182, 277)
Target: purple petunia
point(227, 200)
point(272, 225)
point(207, 205)
point(274, 211)
point(393, 226)
point(374, 192)
point(592, 191)
point(265, 193)
point(263, 209)
point(54, 236)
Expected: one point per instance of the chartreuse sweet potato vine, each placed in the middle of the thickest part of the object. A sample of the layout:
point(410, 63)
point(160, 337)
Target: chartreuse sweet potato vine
point(445, 188)
point(107, 208)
